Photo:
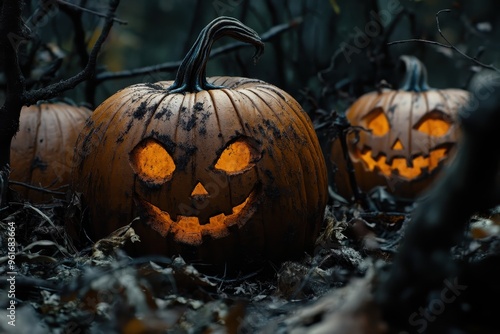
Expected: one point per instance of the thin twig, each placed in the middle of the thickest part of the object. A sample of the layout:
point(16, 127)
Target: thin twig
point(448, 46)
point(86, 10)
point(40, 189)
point(421, 41)
point(88, 72)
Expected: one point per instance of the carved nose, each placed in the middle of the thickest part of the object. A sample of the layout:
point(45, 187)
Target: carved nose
point(199, 191)
point(398, 146)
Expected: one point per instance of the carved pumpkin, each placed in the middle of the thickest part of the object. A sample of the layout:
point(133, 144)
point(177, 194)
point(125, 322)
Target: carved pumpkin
point(42, 151)
point(399, 139)
point(218, 169)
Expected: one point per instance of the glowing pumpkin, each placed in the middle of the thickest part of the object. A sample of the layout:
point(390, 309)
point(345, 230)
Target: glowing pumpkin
point(42, 151)
point(399, 139)
point(218, 169)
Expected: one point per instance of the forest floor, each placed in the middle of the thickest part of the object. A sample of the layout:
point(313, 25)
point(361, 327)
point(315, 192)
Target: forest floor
point(99, 289)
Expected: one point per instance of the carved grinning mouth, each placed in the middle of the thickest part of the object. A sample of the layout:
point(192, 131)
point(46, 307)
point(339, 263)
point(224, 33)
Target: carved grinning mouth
point(187, 229)
point(399, 165)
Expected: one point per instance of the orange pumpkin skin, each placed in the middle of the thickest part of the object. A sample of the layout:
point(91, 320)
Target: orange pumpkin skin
point(42, 151)
point(399, 139)
point(231, 174)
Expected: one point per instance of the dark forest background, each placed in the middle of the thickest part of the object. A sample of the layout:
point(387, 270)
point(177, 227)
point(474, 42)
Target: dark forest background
point(313, 60)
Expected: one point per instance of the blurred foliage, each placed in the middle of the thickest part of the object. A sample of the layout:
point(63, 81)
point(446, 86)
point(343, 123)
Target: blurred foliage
point(307, 61)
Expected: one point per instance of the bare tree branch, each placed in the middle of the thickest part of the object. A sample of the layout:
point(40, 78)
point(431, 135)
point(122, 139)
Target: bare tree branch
point(174, 65)
point(448, 46)
point(65, 4)
point(87, 73)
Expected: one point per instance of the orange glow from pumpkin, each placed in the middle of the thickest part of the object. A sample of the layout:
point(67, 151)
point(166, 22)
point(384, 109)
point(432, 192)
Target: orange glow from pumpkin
point(152, 162)
point(434, 127)
point(237, 157)
point(199, 190)
point(377, 122)
point(187, 229)
point(397, 145)
point(401, 166)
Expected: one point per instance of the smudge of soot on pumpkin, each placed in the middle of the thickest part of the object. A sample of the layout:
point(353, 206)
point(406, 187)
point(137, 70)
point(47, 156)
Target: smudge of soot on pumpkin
point(38, 163)
point(164, 112)
point(89, 142)
point(124, 133)
point(277, 92)
point(153, 86)
point(205, 114)
point(271, 126)
point(138, 114)
point(271, 191)
point(169, 144)
point(189, 123)
point(148, 186)
point(295, 136)
point(141, 111)
point(263, 133)
point(189, 150)
point(392, 109)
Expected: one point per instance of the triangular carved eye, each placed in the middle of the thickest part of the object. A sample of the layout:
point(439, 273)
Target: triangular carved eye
point(151, 162)
point(377, 122)
point(435, 123)
point(237, 157)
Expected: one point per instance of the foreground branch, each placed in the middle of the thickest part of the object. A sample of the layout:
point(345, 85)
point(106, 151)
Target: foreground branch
point(439, 223)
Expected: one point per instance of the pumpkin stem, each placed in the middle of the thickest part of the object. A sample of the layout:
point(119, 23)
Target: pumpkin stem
point(415, 78)
point(191, 76)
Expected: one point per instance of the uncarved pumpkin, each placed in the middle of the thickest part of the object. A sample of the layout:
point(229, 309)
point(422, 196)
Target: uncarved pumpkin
point(43, 148)
point(224, 169)
point(399, 139)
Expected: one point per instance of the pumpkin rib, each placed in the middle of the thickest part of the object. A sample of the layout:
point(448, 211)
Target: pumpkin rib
point(63, 138)
point(106, 119)
point(215, 81)
point(320, 179)
point(303, 192)
point(277, 156)
point(148, 119)
point(229, 93)
point(214, 103)
point(262, 226)
point(230, 96)
point(317, 159)
point(297, 113)
point(409, 129)
point(427, 103)
point(42, 150)
point(38, 114)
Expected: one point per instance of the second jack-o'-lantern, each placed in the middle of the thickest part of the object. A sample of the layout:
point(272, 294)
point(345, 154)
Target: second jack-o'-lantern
point(218, 169)
point(399, 139)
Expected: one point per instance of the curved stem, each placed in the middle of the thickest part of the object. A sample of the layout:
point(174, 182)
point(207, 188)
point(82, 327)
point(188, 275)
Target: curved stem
point(415, 78)
point(191, 76)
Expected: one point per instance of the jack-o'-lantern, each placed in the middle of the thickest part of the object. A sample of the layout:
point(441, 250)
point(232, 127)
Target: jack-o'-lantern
point(217, 169)
point(42, 150)
point(399, 139)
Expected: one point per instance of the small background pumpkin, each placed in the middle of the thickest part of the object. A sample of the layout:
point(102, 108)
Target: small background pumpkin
point(43, 148)
point(398, 139)
point(227, 169)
